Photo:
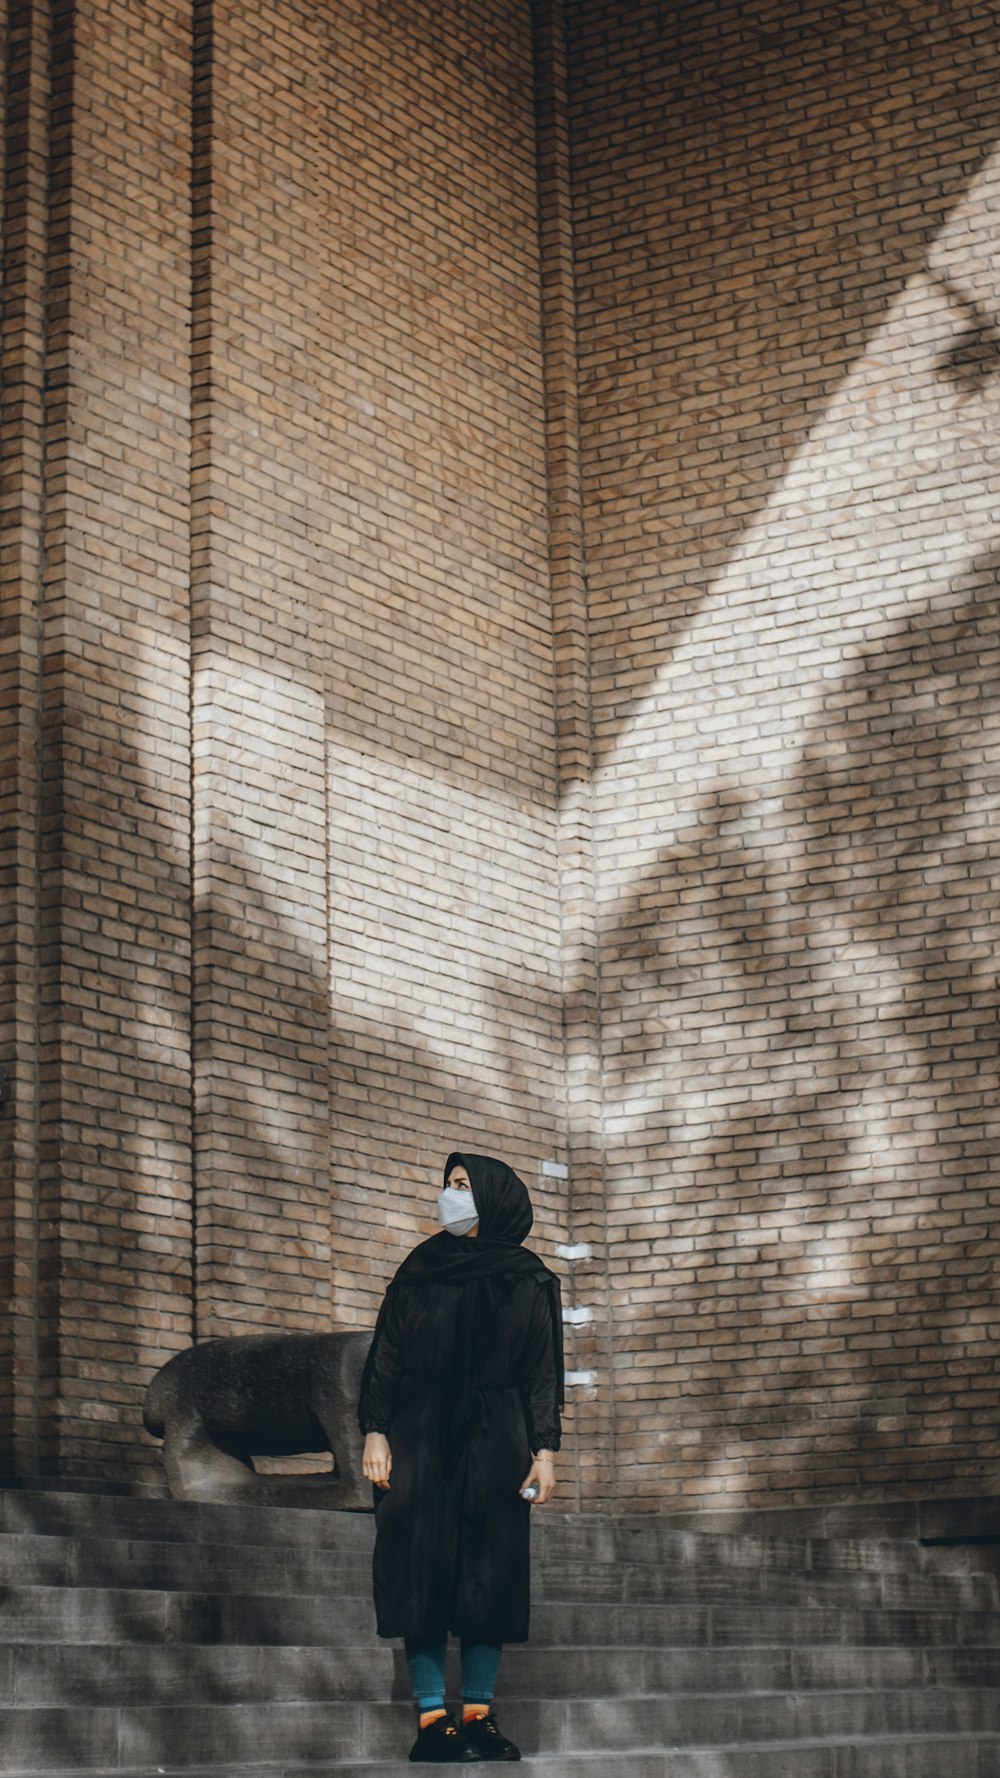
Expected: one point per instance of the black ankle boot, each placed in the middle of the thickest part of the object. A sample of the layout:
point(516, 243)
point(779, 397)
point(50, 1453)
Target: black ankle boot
point(444, 1740)
point(484, 1735)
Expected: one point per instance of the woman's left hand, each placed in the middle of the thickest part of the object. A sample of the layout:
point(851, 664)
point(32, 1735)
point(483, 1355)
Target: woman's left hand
point(543, 1475)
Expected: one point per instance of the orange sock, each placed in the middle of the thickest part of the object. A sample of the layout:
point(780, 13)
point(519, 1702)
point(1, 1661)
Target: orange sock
point(427, 1716)
point(471, 1711)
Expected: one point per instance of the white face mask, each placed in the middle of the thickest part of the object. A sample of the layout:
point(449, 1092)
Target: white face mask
point(457, 1209)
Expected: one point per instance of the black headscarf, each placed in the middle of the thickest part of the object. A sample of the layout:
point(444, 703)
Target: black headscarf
point(505, 1218)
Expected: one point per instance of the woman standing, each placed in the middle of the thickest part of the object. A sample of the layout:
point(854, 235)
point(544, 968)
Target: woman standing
point(459, 1404)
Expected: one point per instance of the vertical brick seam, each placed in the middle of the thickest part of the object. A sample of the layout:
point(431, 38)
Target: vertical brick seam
point(590, 1345)
point(24, 173)
point(51, 1447)
point(115, 1150)
point(200, 537)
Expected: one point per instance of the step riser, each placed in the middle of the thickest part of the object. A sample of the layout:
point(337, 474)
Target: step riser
point(675, 1549)
point(56, 1562)
point(70, 1510)
point(184, 1521)
point(47, 1615)
point(556, 1537)
point(166, 1530)
point(129, 1676)
point(69, 1615)
point(187, 1546)
point(610, 1724)
point(958, 1756)
point(110, 1677)
point(109, 1562)
point(740, 1626)
point(31, 1740)
point(931, 1592)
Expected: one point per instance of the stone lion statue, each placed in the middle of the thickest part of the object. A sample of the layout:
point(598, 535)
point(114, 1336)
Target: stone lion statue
point(225, 1401)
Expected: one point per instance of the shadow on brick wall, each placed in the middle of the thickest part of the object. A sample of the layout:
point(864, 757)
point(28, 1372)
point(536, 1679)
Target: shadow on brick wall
point(775, 184)
point(826, 1153)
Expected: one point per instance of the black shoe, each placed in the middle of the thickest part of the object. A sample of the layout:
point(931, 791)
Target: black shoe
point(443, 1741)
point(484, 1735)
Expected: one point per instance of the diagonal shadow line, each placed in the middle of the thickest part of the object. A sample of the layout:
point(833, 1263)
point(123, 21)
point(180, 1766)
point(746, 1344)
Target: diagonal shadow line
point(849, 945)
point(754, 257)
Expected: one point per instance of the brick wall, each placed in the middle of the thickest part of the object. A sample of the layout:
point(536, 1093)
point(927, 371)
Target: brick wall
point(25, 124)
point(377, 913)
point(591, 1445)
point(95, 597)
point(115, 816)
point(295, 854)
point(499, 636)
point(787, 295)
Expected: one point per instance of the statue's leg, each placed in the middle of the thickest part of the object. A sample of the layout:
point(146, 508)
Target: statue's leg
point(196, 1467)
point(348, 1449)
point(335, 1405)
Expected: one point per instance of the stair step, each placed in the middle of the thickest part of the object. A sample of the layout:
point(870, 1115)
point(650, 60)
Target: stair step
point(172, 1535)
point(74, 1615)
point(50, 1674)
point(722, 1626)
point(114, 1562)
point(113, 1675)
point(183, 1521)
point(139, 1636)
point(654, 1547)
point(28, 1559)
point(146, 1615)
point(640, 1583)
point(943, 1516)
point(37, 1739)
point(68, 1508)
point(960, 1756)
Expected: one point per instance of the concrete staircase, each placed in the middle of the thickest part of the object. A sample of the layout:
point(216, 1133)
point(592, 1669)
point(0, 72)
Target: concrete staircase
point(142, 1636)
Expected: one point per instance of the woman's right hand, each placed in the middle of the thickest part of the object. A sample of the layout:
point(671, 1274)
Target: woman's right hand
point(376, 1463)
point(541, 1475)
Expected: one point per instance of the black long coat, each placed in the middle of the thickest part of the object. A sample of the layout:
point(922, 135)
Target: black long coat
point(452, 1553)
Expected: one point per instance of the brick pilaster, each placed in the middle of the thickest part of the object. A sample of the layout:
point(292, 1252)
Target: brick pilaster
point(114, 1216)
point(258, 653)
point(24, 34)
point(589, 1342)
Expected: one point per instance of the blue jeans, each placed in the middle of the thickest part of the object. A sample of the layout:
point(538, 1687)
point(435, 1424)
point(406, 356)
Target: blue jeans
point(425, 1655)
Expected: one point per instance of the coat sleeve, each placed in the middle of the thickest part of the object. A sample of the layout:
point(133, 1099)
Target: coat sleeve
point(383, 1368)
point(540, 1389)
